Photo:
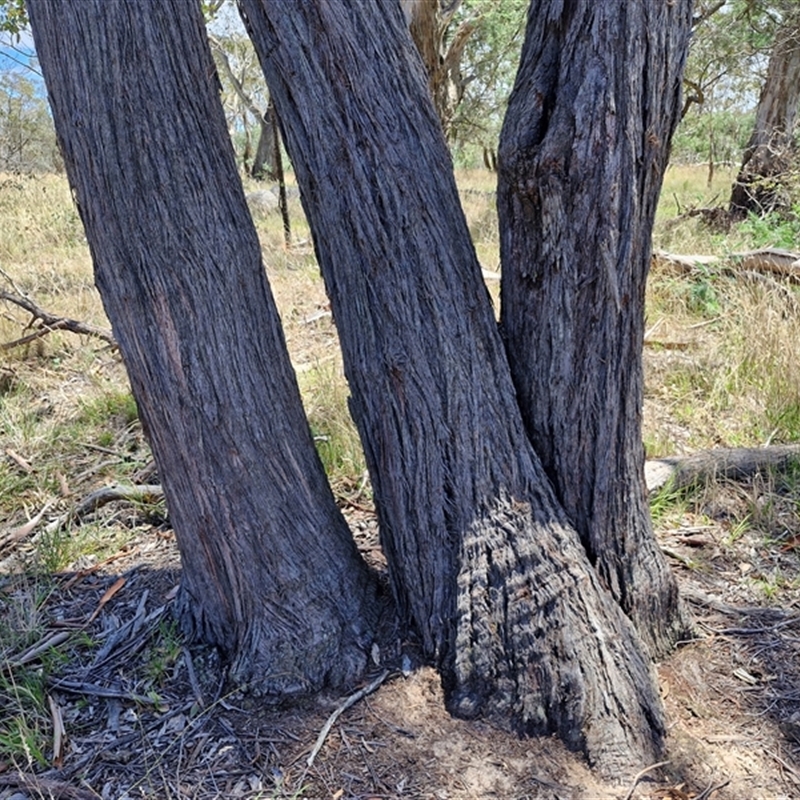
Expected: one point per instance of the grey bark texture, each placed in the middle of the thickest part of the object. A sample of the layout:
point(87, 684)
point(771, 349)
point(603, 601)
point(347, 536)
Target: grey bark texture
point(759, 186)
point(484, 563)
point(582, 153)
point(270, 572)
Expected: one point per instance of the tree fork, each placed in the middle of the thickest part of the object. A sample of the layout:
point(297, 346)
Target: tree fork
point(483, 561)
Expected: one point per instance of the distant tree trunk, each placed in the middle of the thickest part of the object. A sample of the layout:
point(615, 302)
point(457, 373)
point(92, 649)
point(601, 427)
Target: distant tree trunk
point(582, 154)
point(264, 162)
point(270, 572)
point(483, 561)
point(264, 167)
point(428, 22)
point(759, 187)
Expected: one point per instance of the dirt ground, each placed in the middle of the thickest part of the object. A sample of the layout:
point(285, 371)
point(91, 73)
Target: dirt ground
point(732, 695)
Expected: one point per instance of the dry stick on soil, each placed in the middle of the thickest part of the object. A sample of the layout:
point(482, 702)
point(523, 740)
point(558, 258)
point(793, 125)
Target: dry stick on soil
point(50, 322)
point(150, 494)
point(42, 646)
point(18, 534)
point(641, 774)
point(45, 787)
point(350, 701)
point(82, 688)
point(706, 793)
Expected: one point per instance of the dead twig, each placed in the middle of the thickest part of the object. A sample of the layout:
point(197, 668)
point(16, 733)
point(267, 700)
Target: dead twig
point(350, 701)
point(150, 494)
point(42, 646)
point(19, 460)
point(50, 322)
point(94, 690)
point(709, 790)
point(18, 534)
point(46, 787)
point(641, 774)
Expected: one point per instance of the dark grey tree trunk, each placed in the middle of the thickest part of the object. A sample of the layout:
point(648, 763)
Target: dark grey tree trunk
point(263, 168)
point(270, 572)
point(760, 185)
point(264, 162)
point(582, 153)
point(484, 563)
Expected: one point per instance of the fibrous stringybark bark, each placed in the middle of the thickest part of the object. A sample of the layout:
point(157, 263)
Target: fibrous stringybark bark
point(270, 572)
point(484, 563)
point(582, 153)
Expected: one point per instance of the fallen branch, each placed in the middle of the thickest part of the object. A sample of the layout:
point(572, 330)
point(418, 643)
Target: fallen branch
point(150, 494)
point(733, 463)
point(50, 322)
point(771, 260)
point(350, 701)
point(45, 787)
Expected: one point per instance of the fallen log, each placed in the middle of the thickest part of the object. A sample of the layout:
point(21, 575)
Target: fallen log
point(731, 463)
point(771, 260)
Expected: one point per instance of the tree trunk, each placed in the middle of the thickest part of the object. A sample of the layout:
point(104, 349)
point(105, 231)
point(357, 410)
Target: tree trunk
point(428, 21)
point(264, 163)
point(767, 159)
point(483, 561)
point(582, 153)
point(270, 572)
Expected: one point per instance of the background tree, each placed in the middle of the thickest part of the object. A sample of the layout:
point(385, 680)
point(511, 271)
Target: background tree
point(247, 102)
point(270, 572)
point(770, 150)
point(27, 138)
point(470, 49)
point(441, 48)
point(484, 563)
point(721, 83)
point(488, 67)
point(583, 151)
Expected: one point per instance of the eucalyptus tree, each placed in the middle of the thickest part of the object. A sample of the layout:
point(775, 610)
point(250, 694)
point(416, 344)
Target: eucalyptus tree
point(768, 158)
point(496, 565)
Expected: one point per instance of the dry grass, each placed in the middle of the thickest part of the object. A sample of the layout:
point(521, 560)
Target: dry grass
point(733, 378)
point(722, 369)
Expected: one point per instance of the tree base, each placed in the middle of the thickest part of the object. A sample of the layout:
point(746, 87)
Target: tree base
point(540, 646)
